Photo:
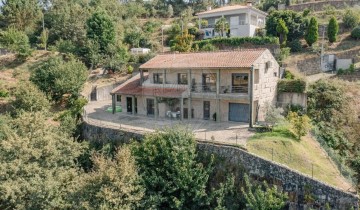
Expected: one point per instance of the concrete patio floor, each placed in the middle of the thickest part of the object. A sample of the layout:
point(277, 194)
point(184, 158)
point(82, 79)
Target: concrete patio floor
point(225, 132)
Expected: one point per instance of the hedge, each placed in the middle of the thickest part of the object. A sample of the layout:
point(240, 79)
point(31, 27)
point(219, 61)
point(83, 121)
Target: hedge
point(291, 86)
point(236, 41)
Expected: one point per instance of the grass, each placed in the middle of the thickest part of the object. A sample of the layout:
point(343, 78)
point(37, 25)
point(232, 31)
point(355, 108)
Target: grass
point(304, 155)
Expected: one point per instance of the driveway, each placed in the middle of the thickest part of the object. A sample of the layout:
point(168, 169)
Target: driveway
point(225, 132)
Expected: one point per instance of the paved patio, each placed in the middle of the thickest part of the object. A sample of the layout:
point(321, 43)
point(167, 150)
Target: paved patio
point(226, 132)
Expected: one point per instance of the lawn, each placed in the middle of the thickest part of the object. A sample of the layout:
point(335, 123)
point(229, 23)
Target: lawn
point(305, 156)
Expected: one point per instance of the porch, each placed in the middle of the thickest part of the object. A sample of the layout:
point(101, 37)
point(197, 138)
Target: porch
point(226, 132)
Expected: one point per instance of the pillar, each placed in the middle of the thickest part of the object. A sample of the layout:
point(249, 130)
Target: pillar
point(218, 113)
point(218, 82)
point(251, 92)
point(113, 104)
point(156, 108)
point(189, 108)
point(189, 82)
point(181, 108)
point(133, 104)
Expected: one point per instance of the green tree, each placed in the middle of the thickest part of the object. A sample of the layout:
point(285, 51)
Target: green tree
point(273, 115)
point(57, 77)
point(101, 29)
point(172, 177)
point(333, 29)
point(112, 184)
point(16, 41)
point(300, 124)
point(351, 18)
point(282, 30)
point(312, 32)
point(222, 26)
point(355, 33)
point(262, 197)
point(183, 43)
point(29, 98)
point(43, 39)
point(37, 162)
point(170, 11)
point(21, 14)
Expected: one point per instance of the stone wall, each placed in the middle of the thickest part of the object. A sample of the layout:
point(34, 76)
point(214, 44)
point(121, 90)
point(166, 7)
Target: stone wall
point(319, 5)
point(284, 99)
point(296, 184)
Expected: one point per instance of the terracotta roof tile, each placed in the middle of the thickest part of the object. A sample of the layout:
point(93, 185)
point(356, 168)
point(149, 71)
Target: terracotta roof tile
point(221, 59)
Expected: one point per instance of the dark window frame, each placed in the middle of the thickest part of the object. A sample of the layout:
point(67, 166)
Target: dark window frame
point(158, 78)
point(180, 79)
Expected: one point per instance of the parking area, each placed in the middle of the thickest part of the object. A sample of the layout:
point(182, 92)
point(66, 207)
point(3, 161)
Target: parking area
point(226, 132)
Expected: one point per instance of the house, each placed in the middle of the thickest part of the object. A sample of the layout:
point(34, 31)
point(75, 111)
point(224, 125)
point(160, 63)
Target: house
point(243, 20)
point(221, 86)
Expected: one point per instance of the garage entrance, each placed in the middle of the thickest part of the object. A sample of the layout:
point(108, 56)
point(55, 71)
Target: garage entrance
point(238, 112)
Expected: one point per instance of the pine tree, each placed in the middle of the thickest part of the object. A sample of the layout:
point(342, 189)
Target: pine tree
point(333, 29)
point(312, 34)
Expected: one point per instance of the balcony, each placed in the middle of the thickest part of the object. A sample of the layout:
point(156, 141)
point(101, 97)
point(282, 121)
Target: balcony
point(203, 88)
point(234, 89)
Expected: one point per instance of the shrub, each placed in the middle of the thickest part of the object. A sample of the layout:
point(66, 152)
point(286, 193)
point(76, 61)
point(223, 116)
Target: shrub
point(295, 45)
point(209, 47)
point(130, 69)
point(284, 53)
point(355, 33)
point(351, 18)
point(312, 32)
point(273, 115)
point(17, 42)
point(4, 93)
point(292, 86)
point(260, 32)
point(299, 124)
point(289, 75)
point(329, 9)
point(65, 46)
point(333, 29)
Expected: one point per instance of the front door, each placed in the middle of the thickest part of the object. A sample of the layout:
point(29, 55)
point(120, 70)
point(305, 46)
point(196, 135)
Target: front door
point(150, 106)
point(129, 104)
point(206, 110)
point(238, 112)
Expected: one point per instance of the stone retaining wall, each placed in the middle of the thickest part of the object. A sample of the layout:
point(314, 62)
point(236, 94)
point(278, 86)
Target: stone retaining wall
point(298, 185)
point(284, 99)
point(319, 5)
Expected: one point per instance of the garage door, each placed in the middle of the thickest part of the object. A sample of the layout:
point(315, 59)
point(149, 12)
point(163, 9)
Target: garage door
point(238, 112)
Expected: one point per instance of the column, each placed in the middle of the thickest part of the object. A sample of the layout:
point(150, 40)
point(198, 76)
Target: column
point(251, 92)
point(189, 82)
point(181, 108)
point(217, 82)
point(133, 104)
point(218, 114)
point(156, 108)
point(113, 104)
point(189, 108)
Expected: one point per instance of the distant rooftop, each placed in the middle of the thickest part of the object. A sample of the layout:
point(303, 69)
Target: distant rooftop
point(230, 8)
point(220, 59)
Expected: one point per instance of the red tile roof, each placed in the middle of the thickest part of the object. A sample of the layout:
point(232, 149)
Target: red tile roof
point(229, 8)
point(221, 59)
point(132, 87)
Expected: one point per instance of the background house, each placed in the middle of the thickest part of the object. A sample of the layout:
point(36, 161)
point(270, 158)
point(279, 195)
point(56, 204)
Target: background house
point(226, 86)
point(243, 20)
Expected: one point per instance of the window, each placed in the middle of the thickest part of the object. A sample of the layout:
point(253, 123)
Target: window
point(118, 98)
point(256, 76)
point(182, 79)
point(158, 78)
point(209, 82)
point(240, 83)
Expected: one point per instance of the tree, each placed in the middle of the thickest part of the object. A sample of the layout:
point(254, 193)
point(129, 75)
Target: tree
point(222, 26)
point(16, 41)
point(294, 21)
point(262, 197)
point(333, 29)
point(43, 39)
point(37, 162)
point(282, 30)
point(21, 14)
point(355, 33)
point(170, 11)
point(300, 124)
point(273, 115)
point(101, 29)
point(312, 32)
point(172, 177)
point(351, 18)
point(57, 77)
point(29, 98)
point(183, 43)
point(113, 183)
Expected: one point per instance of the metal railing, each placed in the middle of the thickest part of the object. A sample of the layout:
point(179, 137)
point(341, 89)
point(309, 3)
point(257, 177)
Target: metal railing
point(234, 89)
point(203, 88)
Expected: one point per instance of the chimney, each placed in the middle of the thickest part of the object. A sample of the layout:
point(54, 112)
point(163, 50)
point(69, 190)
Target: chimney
point(249, 3)
point(208, 8)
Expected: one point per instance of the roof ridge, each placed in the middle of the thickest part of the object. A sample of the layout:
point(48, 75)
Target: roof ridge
point(216, 51)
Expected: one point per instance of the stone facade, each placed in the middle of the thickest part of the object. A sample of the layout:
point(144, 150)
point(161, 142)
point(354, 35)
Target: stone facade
point(284, 99)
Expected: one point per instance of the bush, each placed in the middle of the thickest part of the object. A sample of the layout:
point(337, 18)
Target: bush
point(209, 47)
point(289, 75)
point(300, 124)
point(292, 86)
point(4, 93)
point(355, 33)
point(17, 42)
point(130, 69)
point(351, 18)
point(65, 46)
point(295, 45)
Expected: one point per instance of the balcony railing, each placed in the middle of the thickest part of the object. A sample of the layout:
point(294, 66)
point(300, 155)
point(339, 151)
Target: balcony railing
point(234, 89)
point(203, 88)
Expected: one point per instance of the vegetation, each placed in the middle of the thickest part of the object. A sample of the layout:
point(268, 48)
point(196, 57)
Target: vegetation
point(282, 30)
point(16, 41)
point(222, 26)
point(351, 18)
point(292, 86)
point(355, 33)
point(312, 33)
point(300, 124)
point(333, 29)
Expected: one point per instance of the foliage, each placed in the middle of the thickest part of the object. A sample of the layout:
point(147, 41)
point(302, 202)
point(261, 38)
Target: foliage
point(306, 12)
point(355, 33)
point(294, 22)
point(173, 32)
point(263, 197)
point(101, 29)
point(238, 41)
point(289, 75)
point(208, 47)
point(183, 43)
point(282, 30)
point(284, 53)
point(351, 18)
point(16, 41)
point(222, 26)
point(37, 163)
point(170, 173)
point(4, 93)
point(261, 32)
point(295, 45)
point(273, 115)
point(329, 9)
point(291, 86)
point(300, 124)
point(43, 39)
point(57, 77)
point(267, 4)
point(170, 11)
point(65, 46)
point(333, 29)
point(112, 184)
point(312, 33)
point(29, 98)
point(130, 69)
